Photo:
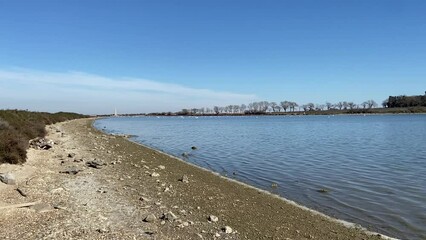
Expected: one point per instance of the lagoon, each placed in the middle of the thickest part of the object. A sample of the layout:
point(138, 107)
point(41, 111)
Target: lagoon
point(364, 169)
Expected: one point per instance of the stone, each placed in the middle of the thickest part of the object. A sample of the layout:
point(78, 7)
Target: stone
point(169, 216)
point(144, 199)
point(41, 143)
point(194, 148)
point(42, 207)
point(227, 229)
point(71, 170)
point(8, 178)
point(71, 155)
point(323, 190)
point(150, 218)
point(213, 218)
point(154, 174)
point(95, 164)
point(184, 179)
point(161, 167)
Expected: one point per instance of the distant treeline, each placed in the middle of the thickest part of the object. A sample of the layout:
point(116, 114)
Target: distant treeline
point(406, 101)
point(264, 107)
point(17, 127)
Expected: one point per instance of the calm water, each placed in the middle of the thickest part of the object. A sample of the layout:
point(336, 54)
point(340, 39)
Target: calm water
point(373, 166)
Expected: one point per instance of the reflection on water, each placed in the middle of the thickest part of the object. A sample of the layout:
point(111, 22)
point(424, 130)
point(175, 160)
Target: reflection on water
point(365, 169)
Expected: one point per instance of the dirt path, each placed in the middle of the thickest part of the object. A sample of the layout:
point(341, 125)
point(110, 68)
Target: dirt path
point(141, 194)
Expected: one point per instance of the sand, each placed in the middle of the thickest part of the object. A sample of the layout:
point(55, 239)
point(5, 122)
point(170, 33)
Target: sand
point(114, 200)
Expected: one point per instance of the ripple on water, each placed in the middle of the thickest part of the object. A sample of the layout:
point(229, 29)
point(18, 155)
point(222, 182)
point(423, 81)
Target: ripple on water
point(374, 166)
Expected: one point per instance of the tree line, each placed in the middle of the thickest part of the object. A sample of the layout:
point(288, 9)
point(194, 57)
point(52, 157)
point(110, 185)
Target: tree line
point(262, 107)
point(405, 101)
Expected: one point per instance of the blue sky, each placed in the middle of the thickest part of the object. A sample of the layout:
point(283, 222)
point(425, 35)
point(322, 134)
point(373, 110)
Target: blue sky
point(143, 56)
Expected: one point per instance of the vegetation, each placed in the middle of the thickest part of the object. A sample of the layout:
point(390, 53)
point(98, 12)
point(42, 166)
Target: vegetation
point(17, 127)
point(405, 101)
point(398, 104)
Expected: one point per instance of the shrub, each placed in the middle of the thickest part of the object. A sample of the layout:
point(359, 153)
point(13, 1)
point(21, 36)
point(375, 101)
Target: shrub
point(18, 127)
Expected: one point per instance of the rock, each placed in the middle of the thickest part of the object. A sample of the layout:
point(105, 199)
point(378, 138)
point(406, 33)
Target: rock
point(144, 199)
point(194, 148)
point(184, 224)
point(323, 190)
point(185, 154)
point(154, 174)
point(71, 155)
point(227, 229)
point(71, 170)
point(8, 178)
point(184, 179)
point(213, 218)
point(150, 218)
point(169, 216)
point(161, 167)
point(41, 143)
point(42, 207)
point(102, 230)
point(95, 164)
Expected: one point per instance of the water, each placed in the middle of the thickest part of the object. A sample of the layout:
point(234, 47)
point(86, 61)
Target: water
point(373, 166)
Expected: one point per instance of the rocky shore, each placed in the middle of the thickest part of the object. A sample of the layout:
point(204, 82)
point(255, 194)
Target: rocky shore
point(89, 185)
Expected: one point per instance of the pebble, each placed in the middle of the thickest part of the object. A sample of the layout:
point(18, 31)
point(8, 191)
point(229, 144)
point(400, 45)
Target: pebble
point(227, 229)
point(150, 218)
point(42, 207)
point(184, 179)
point(144, 199)
point(154, 174)
point(161, 167)
point(213, 218)
point(8, 178)
point(169, 216)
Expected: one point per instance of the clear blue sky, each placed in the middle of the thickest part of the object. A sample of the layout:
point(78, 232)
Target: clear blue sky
point(141, 56)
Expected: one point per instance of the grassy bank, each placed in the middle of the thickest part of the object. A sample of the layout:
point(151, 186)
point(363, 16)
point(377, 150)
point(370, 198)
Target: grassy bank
point(17, 127)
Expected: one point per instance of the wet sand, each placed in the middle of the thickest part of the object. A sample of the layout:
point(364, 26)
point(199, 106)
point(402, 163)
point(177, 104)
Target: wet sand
point(113, 201)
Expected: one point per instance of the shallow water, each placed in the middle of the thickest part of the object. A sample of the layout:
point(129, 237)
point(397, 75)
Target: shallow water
point(373, 167)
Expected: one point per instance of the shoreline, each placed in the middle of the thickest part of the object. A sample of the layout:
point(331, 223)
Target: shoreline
point(234, 181)
point(143, 193)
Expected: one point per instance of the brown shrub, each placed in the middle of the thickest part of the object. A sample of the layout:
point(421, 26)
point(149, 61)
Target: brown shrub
point(18, 127)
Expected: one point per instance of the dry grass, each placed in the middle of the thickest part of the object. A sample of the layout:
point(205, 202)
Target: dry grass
point(17, 127)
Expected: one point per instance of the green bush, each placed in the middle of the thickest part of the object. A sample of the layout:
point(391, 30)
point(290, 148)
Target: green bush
point(17, 127)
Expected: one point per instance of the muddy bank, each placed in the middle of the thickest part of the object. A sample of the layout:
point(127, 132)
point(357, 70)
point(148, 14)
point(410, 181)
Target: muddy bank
point(96, 186)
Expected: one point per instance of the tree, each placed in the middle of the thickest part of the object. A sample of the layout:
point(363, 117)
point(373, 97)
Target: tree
point(293, 106)
point(351, 105)
point(311, 106)
point(273, 106)
point(216, 109)
point(339, 105)
point(371, 104)
point(285, 105)
point(385, 103)
point(263, 106)
point(329, 105)
point(345, 105)
point(364, 104)
point(320, 107)
point(243, 108)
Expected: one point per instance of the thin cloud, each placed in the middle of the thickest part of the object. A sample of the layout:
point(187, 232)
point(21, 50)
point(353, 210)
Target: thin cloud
point(99, 92)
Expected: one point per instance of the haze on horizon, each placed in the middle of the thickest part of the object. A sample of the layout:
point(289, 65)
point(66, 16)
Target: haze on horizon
point(153, 56)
